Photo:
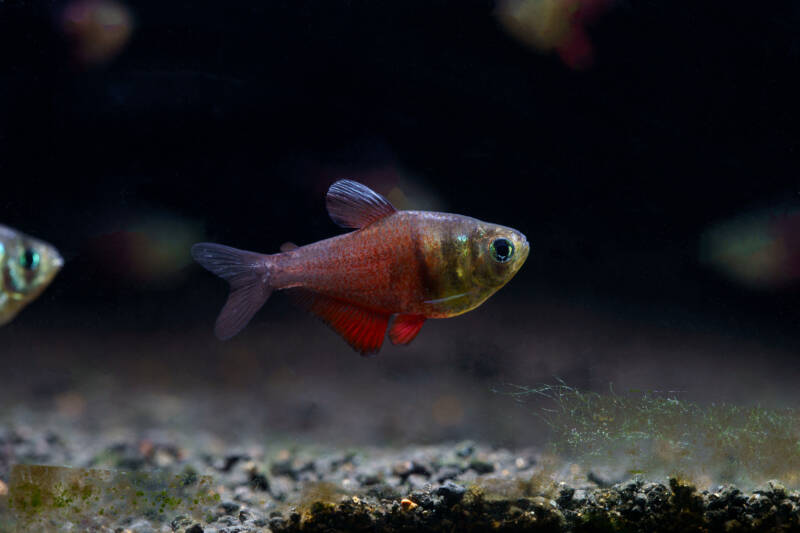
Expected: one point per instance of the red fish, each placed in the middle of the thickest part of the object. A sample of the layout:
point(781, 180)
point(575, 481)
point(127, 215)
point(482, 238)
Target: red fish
point(410, 265)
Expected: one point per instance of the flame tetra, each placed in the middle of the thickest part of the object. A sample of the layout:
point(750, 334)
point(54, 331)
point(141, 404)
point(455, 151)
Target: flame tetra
point(414, 265)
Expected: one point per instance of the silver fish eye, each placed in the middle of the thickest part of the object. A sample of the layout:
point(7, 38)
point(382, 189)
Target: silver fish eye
point(29, 259)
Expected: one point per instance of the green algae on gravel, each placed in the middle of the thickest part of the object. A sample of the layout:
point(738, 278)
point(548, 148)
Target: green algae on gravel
point(40, 496)
point(658, 433)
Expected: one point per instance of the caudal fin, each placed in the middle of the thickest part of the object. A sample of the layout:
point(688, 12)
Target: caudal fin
point(248, 275)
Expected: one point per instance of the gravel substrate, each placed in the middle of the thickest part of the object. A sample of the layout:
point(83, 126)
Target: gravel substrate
point(449, 487)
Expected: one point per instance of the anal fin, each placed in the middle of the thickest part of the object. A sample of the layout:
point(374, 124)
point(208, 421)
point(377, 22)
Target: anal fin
point(405, 327)
point(363, 329)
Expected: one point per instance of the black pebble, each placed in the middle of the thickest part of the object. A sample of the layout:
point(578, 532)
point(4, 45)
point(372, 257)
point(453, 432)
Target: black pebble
point(452, 493)
point(277, 522)
point(565, 496)
point(231, 460)
point(229, 507)
point(481, 467)
point(258, 481)
point(383, 491)
point(465, 449)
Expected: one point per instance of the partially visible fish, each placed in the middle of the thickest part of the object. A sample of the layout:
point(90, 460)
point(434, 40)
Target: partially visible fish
point(414, 265)
point(27, 266)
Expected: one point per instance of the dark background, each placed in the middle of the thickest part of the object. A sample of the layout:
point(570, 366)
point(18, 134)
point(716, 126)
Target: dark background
point(239, 115)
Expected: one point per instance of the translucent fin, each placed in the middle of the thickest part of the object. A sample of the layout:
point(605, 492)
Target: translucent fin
point(405, 328)
point(353, 205)
point(248, 276)
point(363, 329)
point(288, 246)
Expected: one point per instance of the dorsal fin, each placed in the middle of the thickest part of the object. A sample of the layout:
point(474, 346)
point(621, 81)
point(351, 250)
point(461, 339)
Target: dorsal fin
point(353, 205)
point(288, 246)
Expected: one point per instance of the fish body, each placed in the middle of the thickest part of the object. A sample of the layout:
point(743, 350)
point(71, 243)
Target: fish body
point(413, 265)
point(27, 266)
point(417, 262)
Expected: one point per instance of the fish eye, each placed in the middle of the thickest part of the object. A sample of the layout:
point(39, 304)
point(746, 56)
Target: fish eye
point(502, 250)
point(29, 260)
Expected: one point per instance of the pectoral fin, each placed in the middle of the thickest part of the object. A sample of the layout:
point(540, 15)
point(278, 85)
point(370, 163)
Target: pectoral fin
point(363, 329)
point(405, 328)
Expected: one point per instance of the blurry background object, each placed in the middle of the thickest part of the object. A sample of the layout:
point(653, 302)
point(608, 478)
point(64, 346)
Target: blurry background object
point(404, 191)
point(97, 29)
point(554, 25)
point(760, 249)
point(148, 247)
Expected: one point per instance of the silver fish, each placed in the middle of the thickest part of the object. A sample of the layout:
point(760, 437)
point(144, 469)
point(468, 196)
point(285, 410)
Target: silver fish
point(27, 266)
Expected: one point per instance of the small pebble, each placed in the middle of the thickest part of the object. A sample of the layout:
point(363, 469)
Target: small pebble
point(368, 479)
point(180, 522)
point(417, 482)
point(406, 468)
point(481, 467)
point(447, 472)
point(452, 493)
point(258, 481)
point(140, 526)
point(229, 507)
point(277, 523)
point(408, 505)
point(465, 449)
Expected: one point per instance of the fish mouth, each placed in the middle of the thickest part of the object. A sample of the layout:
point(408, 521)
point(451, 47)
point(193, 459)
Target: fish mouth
point(525, 246)
point(57, 261)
